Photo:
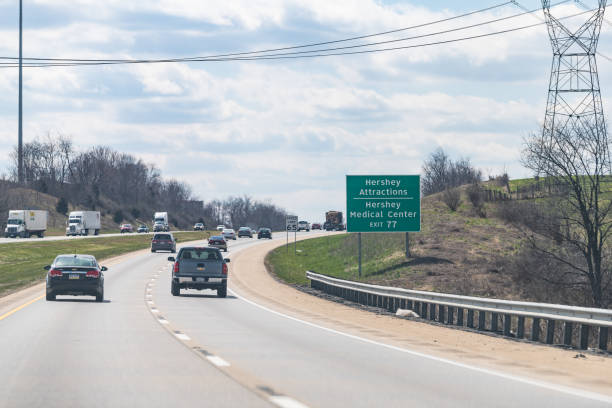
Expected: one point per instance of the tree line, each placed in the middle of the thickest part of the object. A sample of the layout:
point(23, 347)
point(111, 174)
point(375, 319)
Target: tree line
point(101, 178)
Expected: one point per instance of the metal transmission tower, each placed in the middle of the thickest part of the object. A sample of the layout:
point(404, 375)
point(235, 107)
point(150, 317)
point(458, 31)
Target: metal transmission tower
point(574, 96)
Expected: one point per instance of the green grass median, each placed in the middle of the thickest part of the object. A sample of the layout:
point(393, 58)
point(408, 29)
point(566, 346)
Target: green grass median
point(21, 264)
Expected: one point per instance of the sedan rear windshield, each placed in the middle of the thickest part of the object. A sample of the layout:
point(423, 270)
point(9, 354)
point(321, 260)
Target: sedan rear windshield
point(162, 236)
point(74, 261)
point(200, 254)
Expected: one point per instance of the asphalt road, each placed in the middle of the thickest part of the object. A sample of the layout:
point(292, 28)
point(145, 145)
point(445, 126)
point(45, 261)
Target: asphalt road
point(146, 348)
point(63, 237)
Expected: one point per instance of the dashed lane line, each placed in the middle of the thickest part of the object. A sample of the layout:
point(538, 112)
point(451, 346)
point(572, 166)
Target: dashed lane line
point(218, 361)
point(286, 402)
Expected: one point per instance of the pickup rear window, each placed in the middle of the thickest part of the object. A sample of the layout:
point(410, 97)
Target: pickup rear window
point(200, 254)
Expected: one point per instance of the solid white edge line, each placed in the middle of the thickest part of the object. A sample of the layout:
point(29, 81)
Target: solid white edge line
point(218, 361)
point(182, 336)
point(286, 402)
point(542, 384)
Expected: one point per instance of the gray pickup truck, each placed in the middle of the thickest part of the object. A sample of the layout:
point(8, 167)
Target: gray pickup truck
point(199, 268)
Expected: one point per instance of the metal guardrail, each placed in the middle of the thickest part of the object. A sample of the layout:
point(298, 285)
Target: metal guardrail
point(451, 309)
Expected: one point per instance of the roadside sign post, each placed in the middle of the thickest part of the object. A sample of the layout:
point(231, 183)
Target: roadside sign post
point(383, 203)
point(291, 222)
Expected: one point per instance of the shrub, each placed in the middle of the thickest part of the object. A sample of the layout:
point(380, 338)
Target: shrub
point(62, 206)
point(135, 212)
point(118, 217)
point(474, 194)
point(452, 198)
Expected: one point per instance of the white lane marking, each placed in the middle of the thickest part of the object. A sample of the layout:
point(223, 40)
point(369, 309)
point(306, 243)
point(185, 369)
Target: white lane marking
point(154, 310)
point(150, 302)
point(286, 402)
point(218, 361)
point(182, 336)
point(149, 295)
point(529, 381)
point(163, 321)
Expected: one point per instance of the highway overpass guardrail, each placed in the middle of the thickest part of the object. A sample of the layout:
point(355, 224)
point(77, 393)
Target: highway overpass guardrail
point(516, 318)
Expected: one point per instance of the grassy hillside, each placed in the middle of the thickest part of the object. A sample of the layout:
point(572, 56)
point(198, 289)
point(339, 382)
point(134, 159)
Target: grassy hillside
point(21, 263)
point(23, 198)
point(456, 252)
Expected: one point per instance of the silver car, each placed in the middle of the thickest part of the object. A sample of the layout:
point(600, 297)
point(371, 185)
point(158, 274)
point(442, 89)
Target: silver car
point(228, 233)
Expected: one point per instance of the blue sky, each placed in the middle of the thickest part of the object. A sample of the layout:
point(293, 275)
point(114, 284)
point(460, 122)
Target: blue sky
point(284, 131)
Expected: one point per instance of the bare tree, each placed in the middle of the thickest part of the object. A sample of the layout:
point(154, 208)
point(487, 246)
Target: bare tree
point(441, 173)
point(578, 222)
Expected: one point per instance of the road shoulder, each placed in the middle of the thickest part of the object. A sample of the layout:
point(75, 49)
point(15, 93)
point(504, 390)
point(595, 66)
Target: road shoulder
point(250, 279)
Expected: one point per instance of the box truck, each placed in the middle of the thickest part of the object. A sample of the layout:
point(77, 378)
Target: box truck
point(25, 223)
point(160, 222)
point(83, 223)
point(334, 221)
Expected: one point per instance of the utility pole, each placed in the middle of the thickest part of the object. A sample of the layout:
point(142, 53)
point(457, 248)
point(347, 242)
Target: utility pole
point(20, 126)
point(574, 95)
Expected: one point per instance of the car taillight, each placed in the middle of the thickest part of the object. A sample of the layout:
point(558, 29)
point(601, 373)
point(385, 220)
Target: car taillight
point(55, 273)
point(155, 241)
point(224, 271)
point(93, 273)
point(176, 268)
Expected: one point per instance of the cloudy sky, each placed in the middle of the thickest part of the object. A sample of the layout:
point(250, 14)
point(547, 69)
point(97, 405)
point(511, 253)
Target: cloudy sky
point(287, 131)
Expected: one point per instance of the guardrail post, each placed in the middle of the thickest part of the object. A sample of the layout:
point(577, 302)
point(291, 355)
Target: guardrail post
point(424, 310)
point(567, 334)
point(535, 329)
point(450, 315)
point(550, 331)
point(470, 318)
point(403, 304)
point(441, 313)
point(459, 316)
point(584, 336)
point(603, 338)
point(507, 324)
point(494, 321)
point(432, 311)
point(520, 327)
point(481, 320)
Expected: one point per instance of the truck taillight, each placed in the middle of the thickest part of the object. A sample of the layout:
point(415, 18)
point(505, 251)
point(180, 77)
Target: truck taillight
point(94, 273)
point(55, 273)
point(224, 270)
point(175, 270)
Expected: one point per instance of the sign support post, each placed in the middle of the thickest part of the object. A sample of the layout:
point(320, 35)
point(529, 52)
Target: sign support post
point(407, 245)
point(359, 244)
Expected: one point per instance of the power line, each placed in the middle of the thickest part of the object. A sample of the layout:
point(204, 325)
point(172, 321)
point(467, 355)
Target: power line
point(291, 47)
point(316, 53)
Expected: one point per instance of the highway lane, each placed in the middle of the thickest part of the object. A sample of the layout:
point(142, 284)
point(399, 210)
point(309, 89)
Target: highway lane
point(74, 353)
point(63, 237)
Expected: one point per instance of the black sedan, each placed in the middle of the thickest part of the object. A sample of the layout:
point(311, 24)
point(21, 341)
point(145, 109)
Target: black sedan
point(264, 233)
point(75, 275)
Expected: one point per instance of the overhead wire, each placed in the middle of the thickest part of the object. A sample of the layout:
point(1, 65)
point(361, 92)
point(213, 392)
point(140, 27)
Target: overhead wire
point(312, 54)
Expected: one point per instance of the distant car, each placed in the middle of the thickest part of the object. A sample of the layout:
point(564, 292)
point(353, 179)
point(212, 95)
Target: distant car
point(163, 242)
point(220, 227)
point(264, 233)
point(199, 268)
point(217, 241)
point(198, 227)
point(229, 233)
point(245, 232)
point(143, 228)
point(316, 226)
point(126, 228)
point(76, 275)
point(303, 226)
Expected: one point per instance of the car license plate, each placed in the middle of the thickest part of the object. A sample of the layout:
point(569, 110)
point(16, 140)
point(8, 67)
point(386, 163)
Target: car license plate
point(74, 276)
point(200, 279)
point(200, 268)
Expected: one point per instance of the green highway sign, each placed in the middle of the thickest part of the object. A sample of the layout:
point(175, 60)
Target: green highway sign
point(383, 203)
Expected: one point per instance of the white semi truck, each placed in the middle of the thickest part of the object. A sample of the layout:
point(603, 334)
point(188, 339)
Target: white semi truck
point(83, 223)
point(160, 222)
point(25, 223)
